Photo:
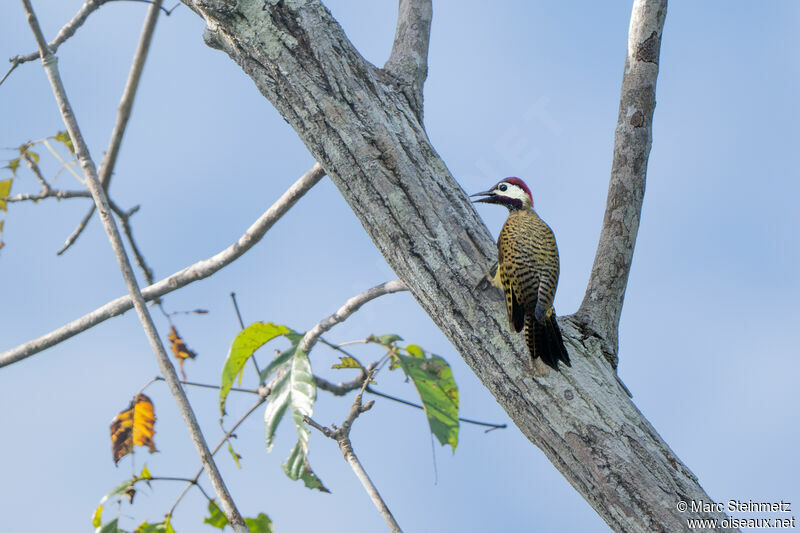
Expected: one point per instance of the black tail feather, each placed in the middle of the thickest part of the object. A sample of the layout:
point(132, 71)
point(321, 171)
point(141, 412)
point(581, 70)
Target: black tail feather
point(544, 340)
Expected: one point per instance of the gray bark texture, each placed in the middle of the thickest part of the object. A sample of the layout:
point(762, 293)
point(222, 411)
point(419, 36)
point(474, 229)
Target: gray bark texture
point(602, 304)
point(363, 124)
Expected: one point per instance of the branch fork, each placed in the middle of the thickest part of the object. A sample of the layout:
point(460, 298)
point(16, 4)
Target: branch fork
point(342, 437)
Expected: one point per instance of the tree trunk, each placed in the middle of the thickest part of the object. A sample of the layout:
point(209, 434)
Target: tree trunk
point(363, 125)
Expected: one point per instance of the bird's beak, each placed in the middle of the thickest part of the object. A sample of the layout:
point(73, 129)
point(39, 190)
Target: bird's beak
point(489, 197)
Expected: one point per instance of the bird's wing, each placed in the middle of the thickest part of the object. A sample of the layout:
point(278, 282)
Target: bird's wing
point(516, 312)
point(548, 272)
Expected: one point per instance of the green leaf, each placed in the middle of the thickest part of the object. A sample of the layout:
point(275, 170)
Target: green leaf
point(348, 362)
point(216, 517)
point(298, 467)
point(161, 527)
point(385, 340)
point(111, 527)
point(14, 166)
point(278, 362)
point(433, 379)
point(123, 488)
point(259, 524)
point(276, 407)
point(244, 345)
point(294, 389)
point(5, 190)
point(63, 137)
point(415, 351)
point(144, 527)
point(25, 151)
point(235, 455)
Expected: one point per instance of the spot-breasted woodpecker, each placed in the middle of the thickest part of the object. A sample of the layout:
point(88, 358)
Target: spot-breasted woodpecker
point(527, 271)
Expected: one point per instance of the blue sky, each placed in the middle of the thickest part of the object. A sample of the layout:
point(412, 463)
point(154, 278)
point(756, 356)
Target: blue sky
point(707, 341)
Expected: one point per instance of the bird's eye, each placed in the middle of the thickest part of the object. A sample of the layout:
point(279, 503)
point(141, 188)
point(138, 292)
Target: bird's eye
point(503, 187)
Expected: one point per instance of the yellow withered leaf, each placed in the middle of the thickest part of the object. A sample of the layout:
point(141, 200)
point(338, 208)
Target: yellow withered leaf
point(5, 190)
point(179, 348)
point(135, 426)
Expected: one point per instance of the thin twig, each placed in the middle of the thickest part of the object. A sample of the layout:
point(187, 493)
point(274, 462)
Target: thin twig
point(37, 172)
point(357, 341)
point(418, 406)
point(342, 437)
point(339, 389)
point(123, 114)
point(129, 93)
point(337, 347)
point(167, 12)
point(189, 482)
point(236, 308)
point(241, 323)
point(70, 28)
point(127, 230)
point(350, 306)
point(14, 65)
point(50, 65)
point(208, 386)
point(194, 481)
point(64, 163)
point(146, 385)
point(47, 193)
point(65, 33)
point(197, 271)
point(77, 231)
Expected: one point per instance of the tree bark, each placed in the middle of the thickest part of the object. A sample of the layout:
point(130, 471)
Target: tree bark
point(602, 305)
point(360, 124)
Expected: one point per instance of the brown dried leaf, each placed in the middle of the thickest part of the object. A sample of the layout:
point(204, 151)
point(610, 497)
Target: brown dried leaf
point(135, 426)
point(179, 348)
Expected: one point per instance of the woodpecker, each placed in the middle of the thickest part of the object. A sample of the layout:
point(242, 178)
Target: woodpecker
point(527, 271)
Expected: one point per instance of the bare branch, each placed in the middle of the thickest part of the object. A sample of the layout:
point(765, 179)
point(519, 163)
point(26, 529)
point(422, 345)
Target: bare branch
point(350, 306)
point(124, 216)
point(409, 58)
point(123, 114)
point(65, 33)
point(37, 172)
point(77, 231)
point(50, 65)
point(342, 437)
point(47, 193)
point(602, 304)
point(124, 220)
point(69, 30)
point(199, 270)
point(129, 93)
point(339, 389)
